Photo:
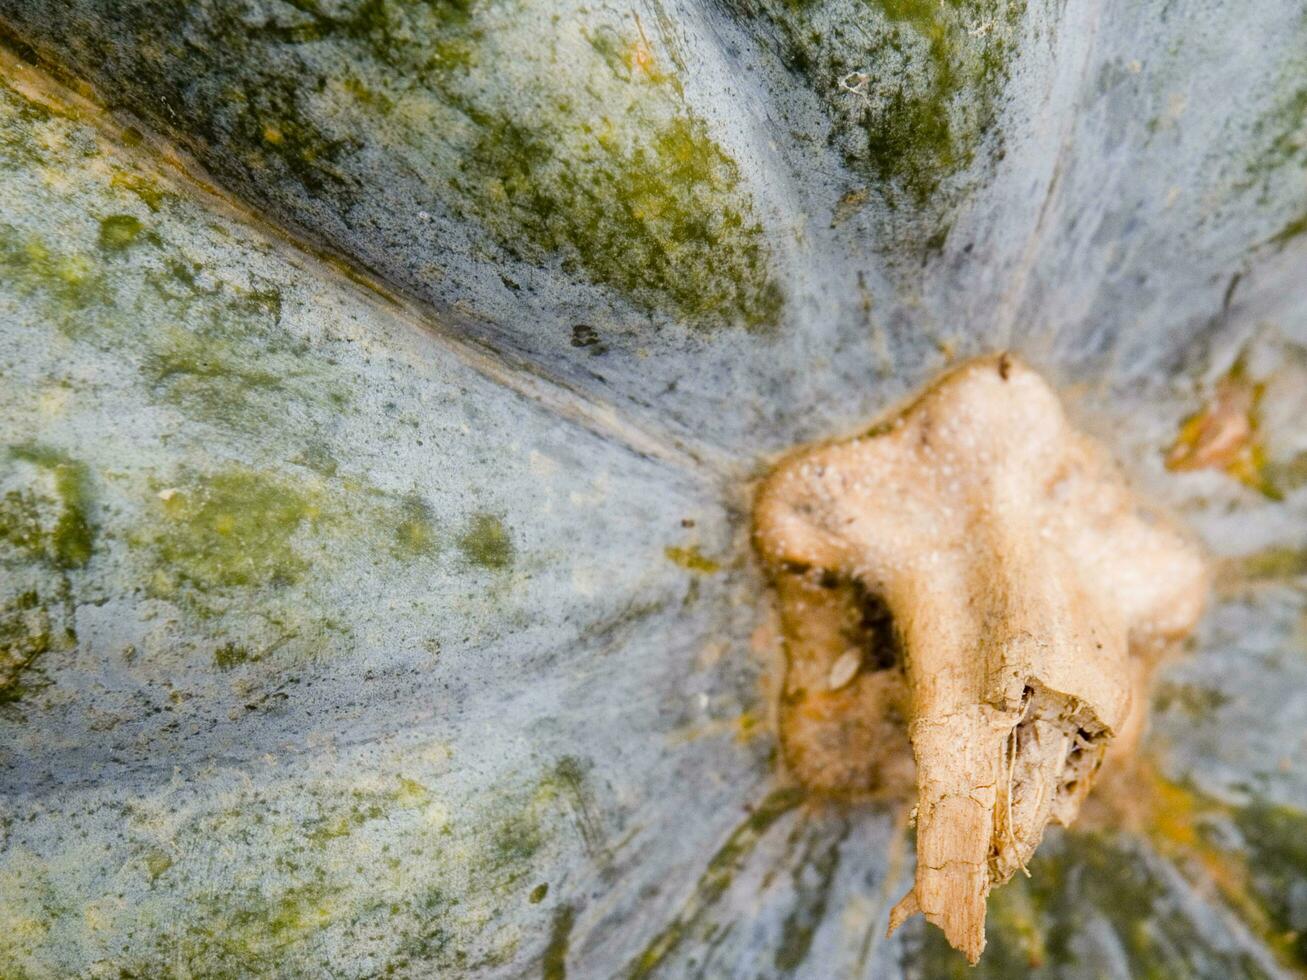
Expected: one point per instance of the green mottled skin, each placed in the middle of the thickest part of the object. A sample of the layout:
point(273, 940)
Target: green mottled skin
point(1276, 838)
point(589, 157)
point(553, 965)
point(246, 551)
point(435, 890)
point(716, 879)
point(1032, 922)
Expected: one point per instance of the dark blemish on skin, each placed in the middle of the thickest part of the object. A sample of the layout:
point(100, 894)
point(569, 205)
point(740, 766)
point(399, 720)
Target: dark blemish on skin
point(1004, 367)
point(1230, 289)
point(587, 336)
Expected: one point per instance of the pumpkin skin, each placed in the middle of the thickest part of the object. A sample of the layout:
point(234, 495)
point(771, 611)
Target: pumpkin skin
point(377, 591)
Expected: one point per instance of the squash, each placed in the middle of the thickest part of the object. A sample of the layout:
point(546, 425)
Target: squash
point(386, 383)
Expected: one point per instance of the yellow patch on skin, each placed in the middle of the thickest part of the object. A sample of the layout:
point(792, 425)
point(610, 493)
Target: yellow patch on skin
point(748, 726)
point(411, 793)
point(1223, 435)
point(54, 401)
point(692, 560)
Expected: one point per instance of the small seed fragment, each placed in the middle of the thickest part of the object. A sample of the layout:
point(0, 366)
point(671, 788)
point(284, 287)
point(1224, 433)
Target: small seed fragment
point(842, 671)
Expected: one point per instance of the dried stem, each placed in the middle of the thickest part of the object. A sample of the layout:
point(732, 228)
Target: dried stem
point(1025, 586)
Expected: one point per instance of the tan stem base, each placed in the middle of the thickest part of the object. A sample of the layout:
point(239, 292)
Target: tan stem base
point(977, 572)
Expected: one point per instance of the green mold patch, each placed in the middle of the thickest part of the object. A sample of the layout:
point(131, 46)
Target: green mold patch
point(1194, 701)
point(221, 354)
point(232, 655)
point(1277, 153)
point(415, 530)
point(1277, 134)
point(654, 210)
point(46, 516)
point(119, 232)
point(157, 863)
point(34, 904)
point(1290, 231)
point(570, 781)
point(335, 820)
point(1286, 475)
point(28, 630)
point(503, 841)
point(307, 874)
point(598, 163)
point(21, 125)
point(813, 876)
point(913, 87)
point(486, 543)
point(46, 536)
point(251, 931)
point(235, 528)
point(145, 186)
point(1275, 563)
point(240, 538)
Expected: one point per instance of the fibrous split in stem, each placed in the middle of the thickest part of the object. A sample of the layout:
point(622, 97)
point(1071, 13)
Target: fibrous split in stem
point(979, 573)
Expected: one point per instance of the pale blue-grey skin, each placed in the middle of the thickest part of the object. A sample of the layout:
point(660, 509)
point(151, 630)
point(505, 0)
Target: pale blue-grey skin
point(367, 606)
